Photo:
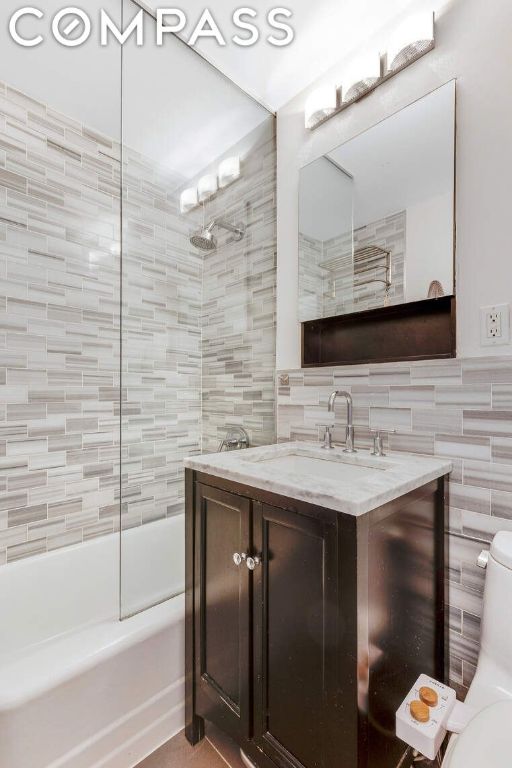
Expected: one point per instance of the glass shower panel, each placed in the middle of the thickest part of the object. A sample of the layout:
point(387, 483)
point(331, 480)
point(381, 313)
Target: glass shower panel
point(60, 192)
point(197, 327)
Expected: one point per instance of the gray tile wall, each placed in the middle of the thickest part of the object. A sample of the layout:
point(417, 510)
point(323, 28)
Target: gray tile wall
point(239, 303)
point(460, 409)
point(59, 329)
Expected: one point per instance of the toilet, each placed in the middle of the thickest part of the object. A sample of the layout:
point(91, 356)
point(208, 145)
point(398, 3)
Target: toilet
point(486, 741)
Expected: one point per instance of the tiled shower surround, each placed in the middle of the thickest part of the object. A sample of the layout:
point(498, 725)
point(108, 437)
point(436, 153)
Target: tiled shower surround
point(60, 330)
point(461, 409)
point(239, 304)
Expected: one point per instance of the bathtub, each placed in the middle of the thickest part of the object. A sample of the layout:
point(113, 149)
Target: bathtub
point(78, 687)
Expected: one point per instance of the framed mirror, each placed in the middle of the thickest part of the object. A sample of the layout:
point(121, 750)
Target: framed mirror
point(376, 214)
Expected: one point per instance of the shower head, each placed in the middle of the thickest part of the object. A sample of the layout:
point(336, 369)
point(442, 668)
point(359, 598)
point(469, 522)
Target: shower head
point(204, 240)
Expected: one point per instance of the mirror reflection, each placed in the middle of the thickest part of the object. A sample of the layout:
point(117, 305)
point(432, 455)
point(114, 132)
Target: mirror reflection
point(376, 214)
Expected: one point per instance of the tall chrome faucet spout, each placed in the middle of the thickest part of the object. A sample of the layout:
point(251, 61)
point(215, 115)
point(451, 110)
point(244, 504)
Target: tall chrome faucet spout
point(349, 443)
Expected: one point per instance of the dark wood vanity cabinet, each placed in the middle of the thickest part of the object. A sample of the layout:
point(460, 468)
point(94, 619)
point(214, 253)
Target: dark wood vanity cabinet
point(223, 643)
point(294, 636)
point(303, 654)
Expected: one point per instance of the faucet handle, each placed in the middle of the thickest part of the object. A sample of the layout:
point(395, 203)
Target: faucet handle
point(327, 437)
point(378, 448)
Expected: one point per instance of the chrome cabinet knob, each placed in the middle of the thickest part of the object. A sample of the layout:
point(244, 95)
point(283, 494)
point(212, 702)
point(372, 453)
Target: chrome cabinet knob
point(252, 562)
point(237, 558)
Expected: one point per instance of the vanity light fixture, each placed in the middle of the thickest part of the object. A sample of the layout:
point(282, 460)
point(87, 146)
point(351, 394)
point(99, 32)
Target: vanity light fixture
point(188, 199)
point(321, 104)
point(410, 41)
point(207, 187)
point(360, 76)
point(229, 171)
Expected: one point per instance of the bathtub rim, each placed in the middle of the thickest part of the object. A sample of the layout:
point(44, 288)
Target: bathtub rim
point(30, 674)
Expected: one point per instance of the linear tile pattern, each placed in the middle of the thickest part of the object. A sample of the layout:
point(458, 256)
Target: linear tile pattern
point(239, 303)
point(59, 329)
point(62, 409)
point(461, 409)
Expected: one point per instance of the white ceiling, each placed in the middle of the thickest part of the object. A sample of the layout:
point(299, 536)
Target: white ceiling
point(175, 108)
point(326, 31)
point(83, 83)
point(179, 111)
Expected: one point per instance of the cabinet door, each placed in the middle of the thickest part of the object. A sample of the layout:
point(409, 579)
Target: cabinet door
point(223, 647)
point(295, 599)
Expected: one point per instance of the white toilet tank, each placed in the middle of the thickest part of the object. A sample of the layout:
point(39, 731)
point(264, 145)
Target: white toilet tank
point(495, 660)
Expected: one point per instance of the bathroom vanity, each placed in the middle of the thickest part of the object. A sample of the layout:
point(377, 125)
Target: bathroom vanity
point(315, 598)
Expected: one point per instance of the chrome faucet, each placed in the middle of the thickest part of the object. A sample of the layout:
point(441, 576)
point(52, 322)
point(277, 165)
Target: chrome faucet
point(349, 443)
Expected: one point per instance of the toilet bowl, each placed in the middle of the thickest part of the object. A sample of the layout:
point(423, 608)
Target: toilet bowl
point(486, 741)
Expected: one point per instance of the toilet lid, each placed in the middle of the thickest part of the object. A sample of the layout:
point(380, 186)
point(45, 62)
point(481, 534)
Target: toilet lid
point(487, 741)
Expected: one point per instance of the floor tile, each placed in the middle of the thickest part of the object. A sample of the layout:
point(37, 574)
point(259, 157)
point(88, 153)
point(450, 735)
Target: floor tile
point(178, 753)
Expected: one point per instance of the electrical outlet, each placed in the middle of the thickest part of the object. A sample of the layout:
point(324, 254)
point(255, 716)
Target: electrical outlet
point(495, 325)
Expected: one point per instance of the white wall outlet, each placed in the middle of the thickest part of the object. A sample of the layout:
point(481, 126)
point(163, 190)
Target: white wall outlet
point(495, 325)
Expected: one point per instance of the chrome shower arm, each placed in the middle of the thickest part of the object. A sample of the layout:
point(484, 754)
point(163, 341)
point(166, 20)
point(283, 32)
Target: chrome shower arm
point(204, 240)
point(238, 231)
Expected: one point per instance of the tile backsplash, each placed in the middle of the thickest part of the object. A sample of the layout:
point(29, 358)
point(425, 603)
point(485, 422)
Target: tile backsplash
point(460, 409)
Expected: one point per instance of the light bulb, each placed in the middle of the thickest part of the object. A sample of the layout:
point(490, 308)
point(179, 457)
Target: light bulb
point(360, 75)
point(410, 40)
point(321, 103)
point(188, 199)
point(229, 170)
point(206, 187)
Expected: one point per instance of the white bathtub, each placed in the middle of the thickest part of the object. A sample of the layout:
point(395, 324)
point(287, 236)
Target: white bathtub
point(78, 687)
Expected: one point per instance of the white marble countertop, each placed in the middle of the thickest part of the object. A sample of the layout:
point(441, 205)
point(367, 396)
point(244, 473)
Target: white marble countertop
point(388, 478)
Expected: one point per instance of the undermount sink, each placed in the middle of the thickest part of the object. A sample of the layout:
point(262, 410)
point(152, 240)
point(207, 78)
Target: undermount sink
point(353, 483)
point(332, 468)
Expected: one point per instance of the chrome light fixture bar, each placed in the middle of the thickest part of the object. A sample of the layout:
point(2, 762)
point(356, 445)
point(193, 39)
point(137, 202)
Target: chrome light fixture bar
point(409, 42)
